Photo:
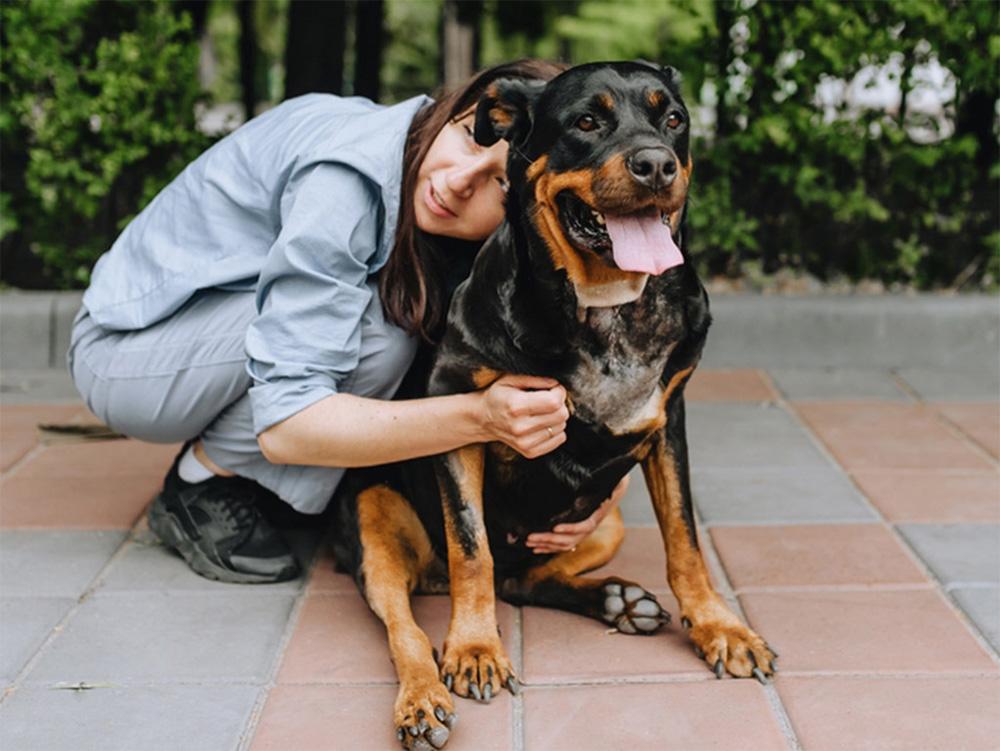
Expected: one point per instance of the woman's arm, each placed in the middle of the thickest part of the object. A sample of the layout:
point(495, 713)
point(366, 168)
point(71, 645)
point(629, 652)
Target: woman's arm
point(527, 413)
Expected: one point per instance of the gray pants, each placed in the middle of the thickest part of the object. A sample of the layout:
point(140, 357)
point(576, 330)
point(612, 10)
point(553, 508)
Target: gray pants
point(185, 377)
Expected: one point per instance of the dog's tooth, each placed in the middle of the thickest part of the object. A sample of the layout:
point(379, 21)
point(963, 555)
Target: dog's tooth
point(599, 218)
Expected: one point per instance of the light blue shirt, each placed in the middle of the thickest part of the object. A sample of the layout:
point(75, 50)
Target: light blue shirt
point(301, 204)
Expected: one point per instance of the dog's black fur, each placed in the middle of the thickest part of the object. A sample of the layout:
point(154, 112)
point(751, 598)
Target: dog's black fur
point(545, 297)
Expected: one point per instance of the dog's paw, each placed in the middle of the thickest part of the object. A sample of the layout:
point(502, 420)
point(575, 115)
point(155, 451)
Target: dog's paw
point(631, 609)
point(729, 646)
point(477, 670)
point(424, 716)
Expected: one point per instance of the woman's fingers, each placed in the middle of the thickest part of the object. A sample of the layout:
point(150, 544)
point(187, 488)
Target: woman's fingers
point(565, 537)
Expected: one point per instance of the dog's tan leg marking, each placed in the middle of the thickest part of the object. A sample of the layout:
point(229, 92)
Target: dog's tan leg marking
point(557, 584)
point(474, 662)
point(396, 551)
point(717, 632)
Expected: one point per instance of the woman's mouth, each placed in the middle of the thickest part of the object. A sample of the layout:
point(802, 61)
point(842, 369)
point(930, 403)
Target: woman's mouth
point(435, 204)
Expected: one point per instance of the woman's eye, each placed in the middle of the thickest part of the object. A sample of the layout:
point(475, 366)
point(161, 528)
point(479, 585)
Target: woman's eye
point(674, 120)
point(504, 184)
point(586, 123)
point(468, 131)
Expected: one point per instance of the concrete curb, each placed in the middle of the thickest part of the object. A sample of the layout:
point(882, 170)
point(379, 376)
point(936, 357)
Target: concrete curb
point(825, 331)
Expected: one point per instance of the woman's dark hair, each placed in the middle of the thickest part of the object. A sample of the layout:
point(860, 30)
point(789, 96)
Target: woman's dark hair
point(412, 284)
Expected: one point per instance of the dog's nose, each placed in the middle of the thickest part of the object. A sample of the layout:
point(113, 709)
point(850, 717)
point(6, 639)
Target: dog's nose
point(654, 168)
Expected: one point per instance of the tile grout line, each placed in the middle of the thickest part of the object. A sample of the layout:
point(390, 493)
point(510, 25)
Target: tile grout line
point(517, 704)
point(894, 532)
point(252, 722)
point(778, 710)
point(81, 600)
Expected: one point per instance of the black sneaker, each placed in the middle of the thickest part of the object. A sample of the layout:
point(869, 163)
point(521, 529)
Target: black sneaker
point(216, 526)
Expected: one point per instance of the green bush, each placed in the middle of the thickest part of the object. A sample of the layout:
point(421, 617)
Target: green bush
point(781, 184)
point(98, 114)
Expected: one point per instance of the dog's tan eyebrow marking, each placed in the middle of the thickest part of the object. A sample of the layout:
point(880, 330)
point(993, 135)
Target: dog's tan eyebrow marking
point(655, 98)
point(605, 101)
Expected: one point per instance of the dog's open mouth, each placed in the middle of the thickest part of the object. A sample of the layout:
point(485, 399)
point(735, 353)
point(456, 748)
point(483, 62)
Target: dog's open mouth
point(642, 241)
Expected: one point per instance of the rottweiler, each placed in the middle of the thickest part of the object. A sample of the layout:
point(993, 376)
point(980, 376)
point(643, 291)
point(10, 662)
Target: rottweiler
point(584, 282)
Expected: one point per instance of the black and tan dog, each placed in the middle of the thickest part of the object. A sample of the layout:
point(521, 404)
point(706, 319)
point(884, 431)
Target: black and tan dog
point(585, 283)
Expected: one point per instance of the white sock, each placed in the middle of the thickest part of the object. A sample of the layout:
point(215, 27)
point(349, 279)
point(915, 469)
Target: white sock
point(192, 470)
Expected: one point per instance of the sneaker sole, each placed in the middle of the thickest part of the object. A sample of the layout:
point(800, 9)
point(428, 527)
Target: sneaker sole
point(169, 530)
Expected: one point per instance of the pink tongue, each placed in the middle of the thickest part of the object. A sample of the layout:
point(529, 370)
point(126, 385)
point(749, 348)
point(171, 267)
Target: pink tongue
point(642, 242)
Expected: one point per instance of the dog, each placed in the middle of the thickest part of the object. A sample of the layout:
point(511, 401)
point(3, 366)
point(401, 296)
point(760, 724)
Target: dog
point(585, 282)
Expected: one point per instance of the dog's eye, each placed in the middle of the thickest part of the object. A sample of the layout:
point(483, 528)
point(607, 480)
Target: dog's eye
point(674, 120)
point(586, 123)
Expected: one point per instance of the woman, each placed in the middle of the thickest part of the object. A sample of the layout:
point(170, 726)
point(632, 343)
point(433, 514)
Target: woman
point(266, 304)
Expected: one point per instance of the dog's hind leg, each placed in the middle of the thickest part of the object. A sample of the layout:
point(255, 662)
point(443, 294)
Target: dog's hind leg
point(395, 551)
point(557, 584)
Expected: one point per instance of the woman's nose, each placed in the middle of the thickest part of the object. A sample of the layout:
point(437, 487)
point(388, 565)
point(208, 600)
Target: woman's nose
point(463, 178)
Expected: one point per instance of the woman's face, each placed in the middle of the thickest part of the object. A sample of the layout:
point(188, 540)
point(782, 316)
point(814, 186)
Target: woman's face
point(461, 185)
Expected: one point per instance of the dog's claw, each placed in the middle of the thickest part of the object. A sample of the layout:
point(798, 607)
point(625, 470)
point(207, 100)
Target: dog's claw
point(719, 668)
point(759, 675)
point(513, 686)
point(438, 736)
point(474, 691)
point(400, 734)
point(449, 681)
point(686, 623)
point(450, 720)
point(440, 714)
point(699, 652)
point(487, 693)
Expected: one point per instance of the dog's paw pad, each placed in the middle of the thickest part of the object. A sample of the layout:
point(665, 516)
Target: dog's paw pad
point(632, 610)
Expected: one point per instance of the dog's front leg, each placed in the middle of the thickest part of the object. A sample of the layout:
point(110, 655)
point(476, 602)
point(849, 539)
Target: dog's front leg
point(474, 662)
point(719, 635)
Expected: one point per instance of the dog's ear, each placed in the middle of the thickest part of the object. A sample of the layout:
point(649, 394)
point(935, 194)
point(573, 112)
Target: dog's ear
point(505, 110)
point(669, 71)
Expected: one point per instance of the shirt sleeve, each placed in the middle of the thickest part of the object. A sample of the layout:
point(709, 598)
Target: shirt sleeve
point(311, 295)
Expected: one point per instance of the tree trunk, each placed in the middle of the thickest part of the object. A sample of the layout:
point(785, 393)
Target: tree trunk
point(248, 58)
point(314, 53)
point(369, 38)
point(460, 40)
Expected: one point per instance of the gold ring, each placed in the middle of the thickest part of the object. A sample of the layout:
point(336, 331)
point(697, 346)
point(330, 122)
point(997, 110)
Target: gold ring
point(551, 434)
point(573, 549)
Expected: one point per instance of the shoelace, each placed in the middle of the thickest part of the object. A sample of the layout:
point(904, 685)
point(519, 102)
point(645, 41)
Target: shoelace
point(240, 509)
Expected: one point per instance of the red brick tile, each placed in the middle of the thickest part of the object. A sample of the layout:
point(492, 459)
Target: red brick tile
point(978, 420)
point(339, 640)
point(640, 559)
point(560, 647)
point(718, 714)
point(880, 435)
point(874, 631)
point(729, 386)
point(325, 579)
point(835, 713)
point(19, 431)
point(103, 459)
point(933, 495)
point(328, 718)
point(75, 502)
point(805, 555)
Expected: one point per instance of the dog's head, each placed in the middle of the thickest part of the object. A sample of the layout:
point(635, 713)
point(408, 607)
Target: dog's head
point(599, 158)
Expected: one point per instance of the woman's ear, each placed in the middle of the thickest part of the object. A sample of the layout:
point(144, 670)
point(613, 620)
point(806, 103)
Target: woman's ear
point(505, 110)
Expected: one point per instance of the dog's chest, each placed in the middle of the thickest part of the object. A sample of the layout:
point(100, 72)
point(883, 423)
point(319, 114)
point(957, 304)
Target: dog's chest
point(616, 381)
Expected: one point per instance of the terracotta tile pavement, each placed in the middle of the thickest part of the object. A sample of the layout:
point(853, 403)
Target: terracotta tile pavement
point(873, 654)
point(723, 715)
point(898, 714)
point(979, 420)
point(730, 386)
point(881, 631)
point(867, 435)
point(813, 555)
point(933, 495)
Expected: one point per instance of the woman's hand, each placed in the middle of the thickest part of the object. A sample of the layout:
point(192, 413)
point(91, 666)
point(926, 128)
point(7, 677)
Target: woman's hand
point(565, 537)
point(528, 413)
